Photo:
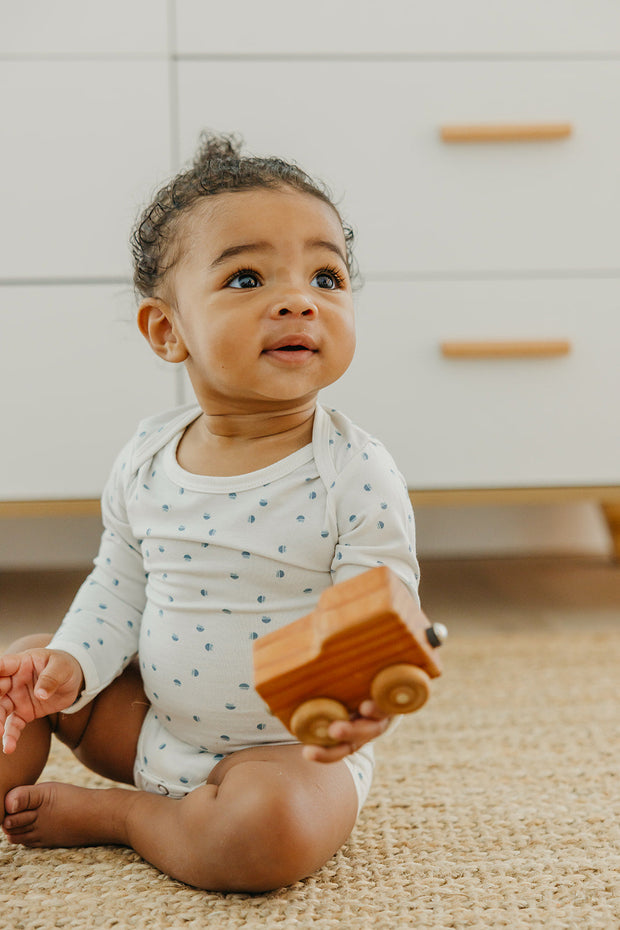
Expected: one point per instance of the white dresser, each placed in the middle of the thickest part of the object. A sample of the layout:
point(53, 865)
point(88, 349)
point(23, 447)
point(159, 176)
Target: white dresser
point(473, 146)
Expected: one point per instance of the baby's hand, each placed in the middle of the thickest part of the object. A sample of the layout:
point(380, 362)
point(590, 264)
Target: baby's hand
point(352, 734)
point(33, 684)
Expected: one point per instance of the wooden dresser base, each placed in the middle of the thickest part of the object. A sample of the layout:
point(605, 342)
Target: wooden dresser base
point(608, 496)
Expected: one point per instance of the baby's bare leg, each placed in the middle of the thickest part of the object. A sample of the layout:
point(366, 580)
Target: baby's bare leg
point(108, 741)
point(28, 761)
point(103, 735)
point(267, 818)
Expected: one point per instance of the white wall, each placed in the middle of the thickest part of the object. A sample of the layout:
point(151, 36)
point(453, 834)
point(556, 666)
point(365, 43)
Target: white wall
point(69, 30)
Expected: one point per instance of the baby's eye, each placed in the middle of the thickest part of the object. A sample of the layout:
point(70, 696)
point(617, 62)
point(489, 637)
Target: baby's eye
point(327, 279)
point(244, 279)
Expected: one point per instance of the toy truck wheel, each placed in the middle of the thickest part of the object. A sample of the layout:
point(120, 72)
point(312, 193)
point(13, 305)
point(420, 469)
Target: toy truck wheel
point(400, 689)
point(310, 720)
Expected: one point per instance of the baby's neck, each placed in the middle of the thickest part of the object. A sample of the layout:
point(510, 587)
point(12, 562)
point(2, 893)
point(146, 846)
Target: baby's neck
point(226, 445)
point(251, 426)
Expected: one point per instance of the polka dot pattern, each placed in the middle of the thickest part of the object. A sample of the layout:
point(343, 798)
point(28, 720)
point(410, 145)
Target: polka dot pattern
point(226, 561)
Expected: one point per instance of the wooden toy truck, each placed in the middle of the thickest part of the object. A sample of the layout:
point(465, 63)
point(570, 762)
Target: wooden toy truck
point(366, 638)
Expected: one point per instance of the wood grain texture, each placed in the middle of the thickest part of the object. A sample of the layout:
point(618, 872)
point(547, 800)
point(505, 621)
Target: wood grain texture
point(359, 627)
point(510, 348)
point(505, 132)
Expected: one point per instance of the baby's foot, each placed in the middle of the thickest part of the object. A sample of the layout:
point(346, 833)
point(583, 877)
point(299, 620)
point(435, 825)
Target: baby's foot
point(55, 814)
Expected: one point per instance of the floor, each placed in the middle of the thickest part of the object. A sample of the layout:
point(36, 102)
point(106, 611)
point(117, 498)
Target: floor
point(469, 596)
point(474, 596)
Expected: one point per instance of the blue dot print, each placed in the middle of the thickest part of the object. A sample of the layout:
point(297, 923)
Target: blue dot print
point(220, 553)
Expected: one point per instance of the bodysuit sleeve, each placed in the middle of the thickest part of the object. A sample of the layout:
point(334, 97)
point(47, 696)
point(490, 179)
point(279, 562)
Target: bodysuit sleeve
point(101, 629)
point(374, 517)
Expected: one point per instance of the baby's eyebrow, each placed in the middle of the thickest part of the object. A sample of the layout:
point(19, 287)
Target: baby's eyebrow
point(326, 244)
point(238, 249)
point(265, 246)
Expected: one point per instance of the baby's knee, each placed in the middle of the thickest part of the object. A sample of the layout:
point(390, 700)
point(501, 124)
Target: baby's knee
point(270, 837)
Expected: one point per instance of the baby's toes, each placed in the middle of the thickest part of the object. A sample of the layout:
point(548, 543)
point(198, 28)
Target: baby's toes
point(19, 823)
point(22, 811)
point(25, 799)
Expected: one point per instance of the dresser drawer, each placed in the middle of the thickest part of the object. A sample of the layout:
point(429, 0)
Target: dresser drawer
point(489, 422)
point(77, 163)
point(76, 378)
point(72, 27)
point(398, 27)
point(372, 130)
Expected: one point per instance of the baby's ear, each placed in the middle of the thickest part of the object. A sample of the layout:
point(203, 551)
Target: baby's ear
point(156, 322)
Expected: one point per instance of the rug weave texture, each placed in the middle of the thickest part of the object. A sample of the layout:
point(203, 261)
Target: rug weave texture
point(497, 805)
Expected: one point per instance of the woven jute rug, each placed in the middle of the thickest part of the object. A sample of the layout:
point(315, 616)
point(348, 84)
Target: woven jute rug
point(497, 805)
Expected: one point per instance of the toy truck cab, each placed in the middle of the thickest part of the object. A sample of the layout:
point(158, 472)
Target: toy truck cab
point(366, 638)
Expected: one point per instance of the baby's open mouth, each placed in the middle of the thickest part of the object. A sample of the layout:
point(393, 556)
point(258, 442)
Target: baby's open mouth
point(298, 344)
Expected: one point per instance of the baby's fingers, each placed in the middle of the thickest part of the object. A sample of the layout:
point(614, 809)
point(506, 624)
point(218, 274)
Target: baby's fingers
point(351, 736)
point(13, 727)
point(6, 709)
point(327, 753)
point(372, 711)
point(47, 684)
point(9, 664)
point(359, 731)
point(60, 677)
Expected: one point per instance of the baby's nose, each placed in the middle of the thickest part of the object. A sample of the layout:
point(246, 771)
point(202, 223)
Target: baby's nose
point(295, 304)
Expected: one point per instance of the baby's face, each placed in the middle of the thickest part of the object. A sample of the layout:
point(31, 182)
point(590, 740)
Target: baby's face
point(262, 299)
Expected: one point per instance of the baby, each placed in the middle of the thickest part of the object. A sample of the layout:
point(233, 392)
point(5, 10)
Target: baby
point(222, 520)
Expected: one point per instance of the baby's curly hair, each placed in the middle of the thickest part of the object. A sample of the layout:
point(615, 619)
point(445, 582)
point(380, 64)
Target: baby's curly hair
point(218, 167)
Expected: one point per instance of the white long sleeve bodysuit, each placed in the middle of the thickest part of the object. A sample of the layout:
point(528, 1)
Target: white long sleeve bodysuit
point(193, 569)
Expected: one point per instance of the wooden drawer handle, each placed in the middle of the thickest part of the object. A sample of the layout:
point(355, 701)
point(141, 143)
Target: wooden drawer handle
point(506, 132)
point(544, 348)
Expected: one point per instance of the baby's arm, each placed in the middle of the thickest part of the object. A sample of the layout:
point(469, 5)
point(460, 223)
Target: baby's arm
point(376, 527)
point(33, 684)
point(102, 627)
